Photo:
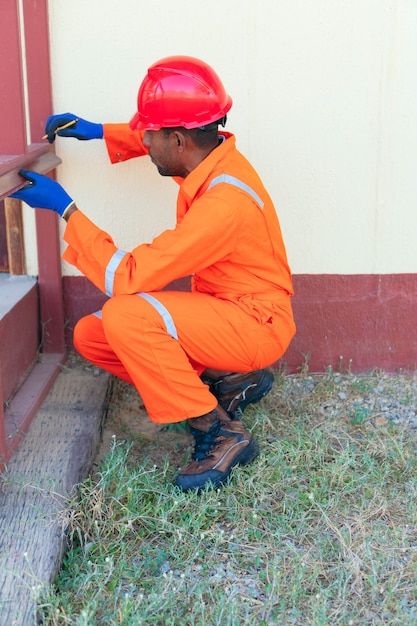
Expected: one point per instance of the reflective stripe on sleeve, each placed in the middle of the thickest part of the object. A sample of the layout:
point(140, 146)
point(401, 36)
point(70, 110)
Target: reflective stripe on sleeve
point(111, 268)
point(163, 312)
point(231, 180)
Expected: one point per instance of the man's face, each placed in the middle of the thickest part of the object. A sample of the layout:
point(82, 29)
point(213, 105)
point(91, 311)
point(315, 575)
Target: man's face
point(163, 150)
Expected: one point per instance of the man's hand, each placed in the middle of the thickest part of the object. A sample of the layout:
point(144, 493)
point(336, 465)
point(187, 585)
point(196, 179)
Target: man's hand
point(75, 127)
point(43, 192)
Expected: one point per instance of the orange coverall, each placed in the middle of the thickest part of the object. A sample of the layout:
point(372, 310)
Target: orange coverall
point(238, 316)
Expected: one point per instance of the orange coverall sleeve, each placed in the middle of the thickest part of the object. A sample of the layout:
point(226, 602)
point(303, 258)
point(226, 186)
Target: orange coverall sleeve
point(123, 143)
point(206, 234)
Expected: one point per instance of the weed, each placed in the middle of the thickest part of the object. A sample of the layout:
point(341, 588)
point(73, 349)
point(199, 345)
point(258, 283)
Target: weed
point(359, 413)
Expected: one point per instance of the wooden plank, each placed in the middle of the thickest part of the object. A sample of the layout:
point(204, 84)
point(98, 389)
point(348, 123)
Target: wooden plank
point(15, 161)
point(56, 454)
point(11, 181)
point(14, 234)
point(4, 260)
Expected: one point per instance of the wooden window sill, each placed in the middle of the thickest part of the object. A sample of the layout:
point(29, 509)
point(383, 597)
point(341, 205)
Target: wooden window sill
point(39, 158)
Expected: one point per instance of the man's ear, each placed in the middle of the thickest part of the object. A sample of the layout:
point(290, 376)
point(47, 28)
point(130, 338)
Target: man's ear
point(180, 139)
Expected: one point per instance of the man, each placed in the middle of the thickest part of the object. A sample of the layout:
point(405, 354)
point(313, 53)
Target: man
point(199, 356)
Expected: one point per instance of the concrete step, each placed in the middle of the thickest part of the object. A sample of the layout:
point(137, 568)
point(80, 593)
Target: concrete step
point(56, 453)
point(19, 329)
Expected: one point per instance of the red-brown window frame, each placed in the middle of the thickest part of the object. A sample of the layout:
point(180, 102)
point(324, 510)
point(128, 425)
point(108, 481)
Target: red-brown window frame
point(25, 103)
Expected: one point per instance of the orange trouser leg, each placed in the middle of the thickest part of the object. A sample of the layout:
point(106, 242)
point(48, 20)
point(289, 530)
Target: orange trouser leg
point(165, 399)
point(90, 341)
point(134, 342)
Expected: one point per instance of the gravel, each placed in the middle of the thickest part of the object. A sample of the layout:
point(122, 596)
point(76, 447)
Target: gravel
point(378, 396)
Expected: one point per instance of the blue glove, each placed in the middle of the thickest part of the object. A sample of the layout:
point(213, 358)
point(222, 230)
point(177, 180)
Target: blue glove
point(81, 129)
point(43, 192)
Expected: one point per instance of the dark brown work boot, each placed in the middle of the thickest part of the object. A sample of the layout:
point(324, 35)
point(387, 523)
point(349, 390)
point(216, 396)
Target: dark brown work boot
point(235, 391)
point(220, 444)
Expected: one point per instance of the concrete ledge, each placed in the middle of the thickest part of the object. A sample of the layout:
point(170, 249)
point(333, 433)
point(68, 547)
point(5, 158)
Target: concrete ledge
point(56, 453)
point(13, 289)
point(19, 329)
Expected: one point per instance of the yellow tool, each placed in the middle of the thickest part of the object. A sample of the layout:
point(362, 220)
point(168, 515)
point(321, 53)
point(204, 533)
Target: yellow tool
point(71, 123)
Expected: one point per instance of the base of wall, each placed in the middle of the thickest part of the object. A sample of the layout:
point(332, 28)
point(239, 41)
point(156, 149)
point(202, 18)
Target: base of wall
point(356, 322)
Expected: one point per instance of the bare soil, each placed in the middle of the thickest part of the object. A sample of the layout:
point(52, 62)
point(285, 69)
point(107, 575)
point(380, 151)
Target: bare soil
point(127, 420)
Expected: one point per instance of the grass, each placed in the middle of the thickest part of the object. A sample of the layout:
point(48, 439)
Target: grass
point(320, 530)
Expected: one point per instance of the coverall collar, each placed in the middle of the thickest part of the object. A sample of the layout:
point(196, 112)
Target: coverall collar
point(191, 185)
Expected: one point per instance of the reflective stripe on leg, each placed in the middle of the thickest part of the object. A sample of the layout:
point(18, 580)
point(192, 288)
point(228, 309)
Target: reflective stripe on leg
point(163, 312)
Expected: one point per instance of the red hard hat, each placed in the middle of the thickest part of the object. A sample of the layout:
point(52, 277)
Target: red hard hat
point(180, 91)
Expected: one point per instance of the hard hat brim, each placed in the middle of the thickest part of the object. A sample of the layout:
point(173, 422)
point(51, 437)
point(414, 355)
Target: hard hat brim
point(135, 123)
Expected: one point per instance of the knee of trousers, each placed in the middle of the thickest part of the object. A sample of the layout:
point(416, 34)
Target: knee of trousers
point(83, 336)
point(124, 316)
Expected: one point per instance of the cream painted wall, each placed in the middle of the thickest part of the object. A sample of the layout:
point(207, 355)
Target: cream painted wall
point(324, 94)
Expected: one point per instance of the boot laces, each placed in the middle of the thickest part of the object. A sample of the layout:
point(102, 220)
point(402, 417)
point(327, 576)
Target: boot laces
point(204, 442)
